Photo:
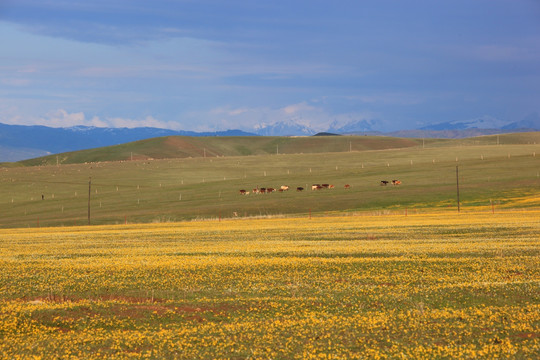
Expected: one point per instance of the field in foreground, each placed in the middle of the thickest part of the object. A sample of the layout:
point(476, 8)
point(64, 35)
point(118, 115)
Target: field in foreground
point(442, 285)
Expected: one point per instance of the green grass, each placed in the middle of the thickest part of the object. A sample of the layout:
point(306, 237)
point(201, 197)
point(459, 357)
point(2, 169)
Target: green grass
point(162, 190)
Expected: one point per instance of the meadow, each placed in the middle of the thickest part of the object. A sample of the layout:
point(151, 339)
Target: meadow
point(176, 264)
point(495, 171)
point(422, 286)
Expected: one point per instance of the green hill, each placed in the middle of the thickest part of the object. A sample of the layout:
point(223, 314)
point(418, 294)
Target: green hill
point(170, 147)
point(177, 178)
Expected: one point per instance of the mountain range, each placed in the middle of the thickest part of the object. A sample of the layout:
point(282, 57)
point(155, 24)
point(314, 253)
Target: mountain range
point(18, 142)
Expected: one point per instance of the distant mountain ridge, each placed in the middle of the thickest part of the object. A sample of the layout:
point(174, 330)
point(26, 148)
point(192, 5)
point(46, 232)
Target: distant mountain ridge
point(484, 125)
point(18, 142)
point(284, 128)
point(531, 122)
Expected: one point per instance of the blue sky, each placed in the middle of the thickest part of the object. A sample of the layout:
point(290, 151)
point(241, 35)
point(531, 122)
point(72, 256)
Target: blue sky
point(216, 65)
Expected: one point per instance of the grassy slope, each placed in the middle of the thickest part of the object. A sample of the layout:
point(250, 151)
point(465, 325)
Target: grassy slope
point(189, 188)
point(186, 147)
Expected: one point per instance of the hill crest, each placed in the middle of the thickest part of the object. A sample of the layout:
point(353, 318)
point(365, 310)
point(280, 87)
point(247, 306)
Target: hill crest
point(169, 147)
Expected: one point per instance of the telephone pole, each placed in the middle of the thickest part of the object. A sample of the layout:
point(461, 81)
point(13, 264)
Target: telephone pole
point(89, 188)
point(457, 187)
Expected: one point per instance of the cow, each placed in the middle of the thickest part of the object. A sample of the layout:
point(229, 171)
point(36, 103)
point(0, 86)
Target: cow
point(243, 192)
point(284, 187)
point(270, 190)
point(262, 190)
point(396, 182)
point(384, 182)
point(331, 186)
point(299, 188)
point(316, 187)
point(347, 186)
point(326, 186)
point(256, 191)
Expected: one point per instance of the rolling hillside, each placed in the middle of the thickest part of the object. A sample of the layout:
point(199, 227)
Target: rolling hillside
point(505, 176)
point(170, 147)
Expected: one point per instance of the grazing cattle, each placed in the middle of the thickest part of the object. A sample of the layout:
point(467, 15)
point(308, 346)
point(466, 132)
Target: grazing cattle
point(316, 187)
point(256, 191)
point(262, 190)
point(299, 188)
point(384, 182)
point(347, 186)
point(284, 187)
point(396, 182)
point(269, 190)
point(331, 186)
point(243, 192)
point(326, 186)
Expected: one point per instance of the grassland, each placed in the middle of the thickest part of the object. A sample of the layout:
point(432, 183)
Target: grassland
point(504, 176)
point(424, 286)
point(368, 272)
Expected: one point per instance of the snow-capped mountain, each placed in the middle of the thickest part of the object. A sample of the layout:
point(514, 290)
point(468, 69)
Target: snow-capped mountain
point(483, 122)
point(284, 128)
point(19, 142)
point(353, 127)
point(531, 121)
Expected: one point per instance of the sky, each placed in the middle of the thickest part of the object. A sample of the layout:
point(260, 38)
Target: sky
point(210, 65)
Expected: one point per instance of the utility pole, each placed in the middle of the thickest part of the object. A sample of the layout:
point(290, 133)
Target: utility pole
point(457, 187)
point(89, 188)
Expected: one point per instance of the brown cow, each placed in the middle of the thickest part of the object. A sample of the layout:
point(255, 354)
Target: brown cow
point(270, 190)
point(299, 188)
point(396, 182)
point(242, 192)
point(347, 186)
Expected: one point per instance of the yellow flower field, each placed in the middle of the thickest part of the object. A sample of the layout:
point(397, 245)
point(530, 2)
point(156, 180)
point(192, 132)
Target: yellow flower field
point(424, 286)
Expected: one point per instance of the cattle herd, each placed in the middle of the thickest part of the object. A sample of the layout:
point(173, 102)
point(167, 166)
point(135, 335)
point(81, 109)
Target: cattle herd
point(394, 182)
point(267, 190)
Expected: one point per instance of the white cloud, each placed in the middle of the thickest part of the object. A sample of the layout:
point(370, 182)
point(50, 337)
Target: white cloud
point(299, 108)
point(148, 121)
point(63, 118)
point(229, 111)
point(317, 118)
